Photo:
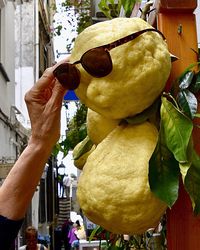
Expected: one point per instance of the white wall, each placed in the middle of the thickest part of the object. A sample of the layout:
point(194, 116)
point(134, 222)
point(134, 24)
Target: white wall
point(24, 56)
point(24, 81)
point(7, 95)
point(7, 89)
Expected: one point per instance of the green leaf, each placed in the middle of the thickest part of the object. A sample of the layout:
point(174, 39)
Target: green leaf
point(195, 86)
point(177, 129)
point(119, 6)
point(84, 147)
point(110, 8)
point(114, 247)
point(94, 231)
point(192, 182)
point(197, 115)
point(188, 102)
point(56, 150)
point(164, 172)
point(186, 80)
point(184, 167)
point(189, 68)
point(128, 6)
point(82, 131)
point(103, 6)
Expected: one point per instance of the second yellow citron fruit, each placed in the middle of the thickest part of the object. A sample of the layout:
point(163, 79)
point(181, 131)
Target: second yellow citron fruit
point(99, 126)
point(113, 189)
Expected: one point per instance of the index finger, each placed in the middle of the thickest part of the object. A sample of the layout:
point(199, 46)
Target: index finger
point(47, 78)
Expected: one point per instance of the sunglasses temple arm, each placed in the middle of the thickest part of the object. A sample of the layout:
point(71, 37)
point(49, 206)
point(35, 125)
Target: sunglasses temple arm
point(129, 38)
point(77, 62)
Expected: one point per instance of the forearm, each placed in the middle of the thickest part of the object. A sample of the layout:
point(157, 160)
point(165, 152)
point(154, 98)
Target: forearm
point(16, 192)
point(44, 102)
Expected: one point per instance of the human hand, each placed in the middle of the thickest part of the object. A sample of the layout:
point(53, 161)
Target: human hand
point(44, 102)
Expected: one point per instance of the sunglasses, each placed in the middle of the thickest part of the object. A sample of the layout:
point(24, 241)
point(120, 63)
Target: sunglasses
point(97, 62)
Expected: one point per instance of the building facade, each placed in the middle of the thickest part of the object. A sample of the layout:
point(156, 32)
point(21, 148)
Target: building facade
point(13, 135)
point(34, 53)
point(26, 50)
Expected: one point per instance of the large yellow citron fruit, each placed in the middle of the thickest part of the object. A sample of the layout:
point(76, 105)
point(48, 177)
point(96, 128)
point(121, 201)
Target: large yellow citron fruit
point(113, 189)
point(99, 126)
point(140, 68)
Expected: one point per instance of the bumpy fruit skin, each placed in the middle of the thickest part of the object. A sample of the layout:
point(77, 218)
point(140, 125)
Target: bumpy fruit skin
point(140, 68)
point(98, 126)
point(113, 189)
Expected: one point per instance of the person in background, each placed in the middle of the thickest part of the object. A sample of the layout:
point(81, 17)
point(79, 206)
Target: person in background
point(61, 175)
point(79, 233)
point(66, 227)
point(61, 186)
point(66, 184)
point(73, 240)
point(31, 236)
point(44, 102)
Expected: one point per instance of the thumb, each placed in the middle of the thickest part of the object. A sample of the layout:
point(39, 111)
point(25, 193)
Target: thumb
point(58, 93)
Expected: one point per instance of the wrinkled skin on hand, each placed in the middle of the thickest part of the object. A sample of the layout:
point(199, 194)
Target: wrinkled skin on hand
point(44, 102)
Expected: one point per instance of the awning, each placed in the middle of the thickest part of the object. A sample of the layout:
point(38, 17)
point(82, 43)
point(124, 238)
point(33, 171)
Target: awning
point(70, 96)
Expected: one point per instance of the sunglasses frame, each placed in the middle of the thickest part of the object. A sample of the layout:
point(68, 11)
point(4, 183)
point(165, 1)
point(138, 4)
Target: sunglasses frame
point(116, 43)
point(61, 74)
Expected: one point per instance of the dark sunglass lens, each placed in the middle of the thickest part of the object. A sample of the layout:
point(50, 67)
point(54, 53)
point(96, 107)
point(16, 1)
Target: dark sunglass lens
point(68, 75)
point(97, 62)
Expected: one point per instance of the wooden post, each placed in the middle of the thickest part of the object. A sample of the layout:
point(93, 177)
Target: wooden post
point(177, 21)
